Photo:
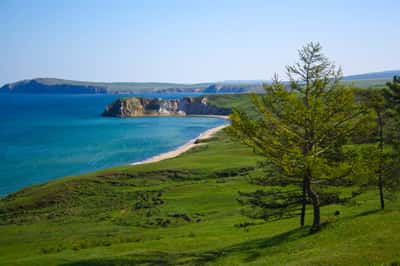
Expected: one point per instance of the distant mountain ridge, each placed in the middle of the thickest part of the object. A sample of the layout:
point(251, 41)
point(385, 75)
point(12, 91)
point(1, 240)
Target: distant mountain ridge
point(62, 86)
point(53, 85)
point(36, 86)
point(374, 75)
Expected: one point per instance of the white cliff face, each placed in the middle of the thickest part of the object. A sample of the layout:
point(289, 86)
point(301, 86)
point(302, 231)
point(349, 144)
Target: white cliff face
point(170, 107)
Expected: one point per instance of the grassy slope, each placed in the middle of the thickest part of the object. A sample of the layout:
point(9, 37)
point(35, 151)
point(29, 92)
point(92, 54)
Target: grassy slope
point(96, 219)
point(240, 101)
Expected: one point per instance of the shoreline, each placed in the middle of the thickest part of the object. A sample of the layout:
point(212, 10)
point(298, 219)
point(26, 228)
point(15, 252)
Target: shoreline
point(183, 148)
point(226, 117)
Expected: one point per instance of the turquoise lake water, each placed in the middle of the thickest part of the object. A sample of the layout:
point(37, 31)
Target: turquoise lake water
point(43, 137)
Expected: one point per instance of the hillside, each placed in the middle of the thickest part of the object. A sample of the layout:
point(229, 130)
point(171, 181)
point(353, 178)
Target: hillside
point(184, 211)
point(374, 75)
point(371, 80)
point(51, 85)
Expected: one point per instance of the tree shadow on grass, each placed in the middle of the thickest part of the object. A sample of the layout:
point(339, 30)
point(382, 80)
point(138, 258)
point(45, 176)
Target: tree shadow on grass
point(361, 214)
point(150, 259)
point(365, 213)
point(251, 249)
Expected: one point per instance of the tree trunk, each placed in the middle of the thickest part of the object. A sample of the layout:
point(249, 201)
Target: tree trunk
point(304, 202)
point(381, 193)
point(381, 162)
point(316, 226)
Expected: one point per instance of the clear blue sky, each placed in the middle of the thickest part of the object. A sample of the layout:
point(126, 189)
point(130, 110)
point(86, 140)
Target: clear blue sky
point(190, 41)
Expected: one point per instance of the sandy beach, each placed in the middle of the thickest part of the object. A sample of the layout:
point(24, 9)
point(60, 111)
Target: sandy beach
point(174, 153)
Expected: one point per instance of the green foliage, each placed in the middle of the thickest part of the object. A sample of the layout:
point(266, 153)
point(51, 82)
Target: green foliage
point(300, 130)
point(380, 157)
point(393, 94)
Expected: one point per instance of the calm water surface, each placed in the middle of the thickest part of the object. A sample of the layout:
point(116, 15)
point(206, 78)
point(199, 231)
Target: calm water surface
point(43, 137)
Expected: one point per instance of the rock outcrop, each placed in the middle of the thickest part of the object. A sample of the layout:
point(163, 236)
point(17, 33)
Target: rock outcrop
point(136, 106)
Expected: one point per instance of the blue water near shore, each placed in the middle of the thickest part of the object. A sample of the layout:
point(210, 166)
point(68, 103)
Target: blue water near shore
point(43, 137)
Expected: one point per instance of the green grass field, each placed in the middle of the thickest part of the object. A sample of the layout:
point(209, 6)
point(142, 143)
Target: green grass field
point(184, 211)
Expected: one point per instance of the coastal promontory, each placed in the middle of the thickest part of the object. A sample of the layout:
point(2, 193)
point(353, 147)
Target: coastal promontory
point(138, 106)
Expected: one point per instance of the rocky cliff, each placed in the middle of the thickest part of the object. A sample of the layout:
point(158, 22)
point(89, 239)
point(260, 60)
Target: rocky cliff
point(136, 106)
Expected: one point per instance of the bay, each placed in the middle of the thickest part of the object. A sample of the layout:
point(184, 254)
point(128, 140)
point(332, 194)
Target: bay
point(43, 137)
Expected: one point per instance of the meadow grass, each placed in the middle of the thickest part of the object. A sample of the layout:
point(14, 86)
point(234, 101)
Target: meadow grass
point(184, 211)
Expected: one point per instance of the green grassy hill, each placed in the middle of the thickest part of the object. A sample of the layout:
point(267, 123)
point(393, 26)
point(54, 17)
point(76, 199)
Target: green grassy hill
point(184, 211)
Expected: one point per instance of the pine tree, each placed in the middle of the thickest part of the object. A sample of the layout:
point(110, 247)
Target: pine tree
point(392, 96)
point(300, 129)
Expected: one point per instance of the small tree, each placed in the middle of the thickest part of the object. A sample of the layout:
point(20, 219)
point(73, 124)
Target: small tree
point(376, 101)
point(300, 129)
point(376, 161)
